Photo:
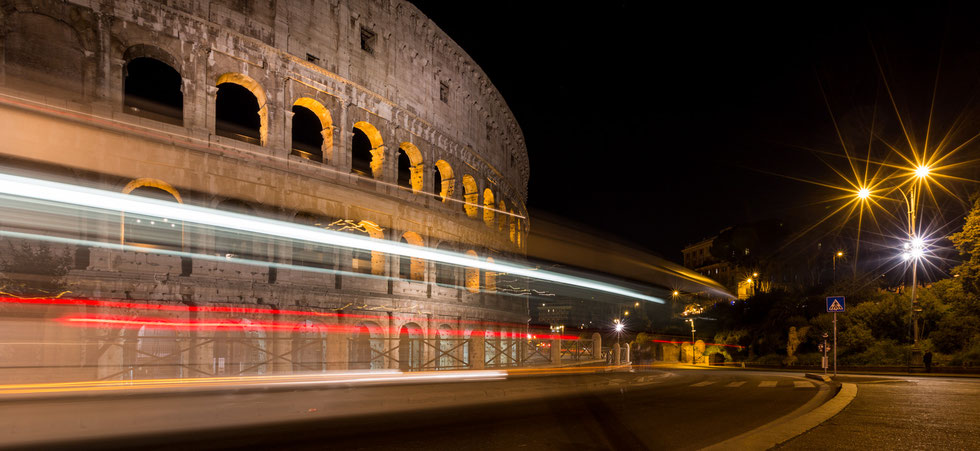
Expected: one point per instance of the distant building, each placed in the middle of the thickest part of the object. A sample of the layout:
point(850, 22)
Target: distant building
point(698, 257)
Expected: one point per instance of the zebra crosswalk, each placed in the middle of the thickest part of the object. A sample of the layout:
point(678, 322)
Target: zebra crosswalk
point(760, 384)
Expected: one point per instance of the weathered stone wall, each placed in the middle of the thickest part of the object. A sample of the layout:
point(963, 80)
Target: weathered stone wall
point(62, 66)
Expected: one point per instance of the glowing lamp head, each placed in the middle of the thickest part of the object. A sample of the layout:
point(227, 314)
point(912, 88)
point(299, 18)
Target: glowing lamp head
point(619, 327)
point(755, 274)
point(921, 171)
point(916, 253)
point(676, 292)
point(840, 254)
point(863, 193)
point(917, 243)
point(749, 280)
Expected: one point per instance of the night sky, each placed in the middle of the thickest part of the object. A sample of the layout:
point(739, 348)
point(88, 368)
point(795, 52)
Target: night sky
point(660, 125)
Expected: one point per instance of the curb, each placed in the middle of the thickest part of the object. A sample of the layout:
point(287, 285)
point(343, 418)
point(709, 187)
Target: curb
point(819, 377)
point(789, 426)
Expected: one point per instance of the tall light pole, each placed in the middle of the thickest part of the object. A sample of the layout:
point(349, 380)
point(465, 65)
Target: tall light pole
point(915, 249)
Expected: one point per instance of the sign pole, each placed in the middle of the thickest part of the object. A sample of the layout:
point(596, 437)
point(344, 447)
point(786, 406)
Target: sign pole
point(835, 344)
point(835, 304)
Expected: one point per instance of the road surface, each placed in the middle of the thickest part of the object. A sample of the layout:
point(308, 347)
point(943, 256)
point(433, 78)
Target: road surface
point(653, 408)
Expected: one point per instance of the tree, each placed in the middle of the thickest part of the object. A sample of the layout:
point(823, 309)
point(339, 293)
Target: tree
point(967, 242)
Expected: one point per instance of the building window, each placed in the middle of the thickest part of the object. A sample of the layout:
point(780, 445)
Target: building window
point(307, 134)
point(368, 40)
point(237, 113)
point(312, 59)
point(444, 92)
point(152, 89)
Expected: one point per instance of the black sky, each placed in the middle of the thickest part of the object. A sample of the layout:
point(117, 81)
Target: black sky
point(661, 125)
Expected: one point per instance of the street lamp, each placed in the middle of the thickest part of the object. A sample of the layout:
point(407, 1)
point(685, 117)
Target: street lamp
point(694, 359)
point(839, 254)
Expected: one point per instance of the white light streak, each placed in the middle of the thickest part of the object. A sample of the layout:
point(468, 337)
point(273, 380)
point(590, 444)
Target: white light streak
point(88, 197)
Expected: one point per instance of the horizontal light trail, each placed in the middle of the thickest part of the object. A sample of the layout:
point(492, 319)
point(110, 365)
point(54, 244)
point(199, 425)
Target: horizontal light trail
point(128, 322)
point(227, 309)
point(324, 379)
point(92, 198)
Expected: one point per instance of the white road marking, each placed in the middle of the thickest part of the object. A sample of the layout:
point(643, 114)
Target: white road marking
point(735, 384)
point(802, 384)
point(702, 384)
point(768, 384)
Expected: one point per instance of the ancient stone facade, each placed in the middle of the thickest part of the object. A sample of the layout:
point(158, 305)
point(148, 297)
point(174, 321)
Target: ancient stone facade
point(410, 142)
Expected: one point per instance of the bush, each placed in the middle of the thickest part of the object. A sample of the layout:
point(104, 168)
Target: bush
point(882, 352)
point(969, 356)
point(771, 359)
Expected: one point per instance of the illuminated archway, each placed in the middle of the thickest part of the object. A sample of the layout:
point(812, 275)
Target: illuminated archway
point(513, 227)
point(376, 266)
point(443, 182)
point(471, 196)
point(230, 120)
point(151, 231)
point(410, 168)
point(411, 268)
point(367, 150)
point(488, 205)
point(490, 278)
point(472, 282)
point(312, 130)
point(502, 217)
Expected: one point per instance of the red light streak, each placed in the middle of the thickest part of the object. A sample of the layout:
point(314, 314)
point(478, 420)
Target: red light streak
point(226, 309)
point(129, 322)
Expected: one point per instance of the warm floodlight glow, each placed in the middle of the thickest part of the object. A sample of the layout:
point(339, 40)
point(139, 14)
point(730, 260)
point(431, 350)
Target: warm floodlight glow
point(921, 171)
point(863, 193)
point(676, 292)
point(840, 254)
point(749, 280)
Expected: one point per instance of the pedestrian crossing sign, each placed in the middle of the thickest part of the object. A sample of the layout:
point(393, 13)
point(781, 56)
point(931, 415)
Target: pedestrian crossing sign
point(835, 304)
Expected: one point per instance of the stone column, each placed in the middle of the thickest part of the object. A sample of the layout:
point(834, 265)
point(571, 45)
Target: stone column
point(477, 351)
point(338, 347)
point(556, 351)
point(596, 346)
point(281, 348)
point(616, 350)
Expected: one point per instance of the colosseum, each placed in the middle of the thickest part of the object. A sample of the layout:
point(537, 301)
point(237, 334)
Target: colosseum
point(354, 116)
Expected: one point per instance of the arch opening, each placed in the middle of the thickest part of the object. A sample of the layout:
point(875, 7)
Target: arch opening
point(490, 278)
point(410, 347)
point(236, 114)
point(307, 131)
point(472, 280)
point(488, 207)
point(366, 347)
point(367, 150)
point(153, 89)
point(410, 169)
point(471, 196)
point(443, 183)
point(309, 347)
point(411, 268)
point(152, 231)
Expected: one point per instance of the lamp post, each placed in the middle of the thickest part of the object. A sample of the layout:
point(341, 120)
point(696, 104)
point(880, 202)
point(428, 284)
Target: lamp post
point(915, 249)
point(694, 358)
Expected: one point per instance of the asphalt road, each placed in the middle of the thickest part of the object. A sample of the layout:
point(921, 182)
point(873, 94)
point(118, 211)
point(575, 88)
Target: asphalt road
point(895, 412)
point(654, 409)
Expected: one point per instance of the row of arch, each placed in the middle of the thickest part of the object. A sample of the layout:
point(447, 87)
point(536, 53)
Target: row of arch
point(158, 353)
point(160, 232)
point(153, 88)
